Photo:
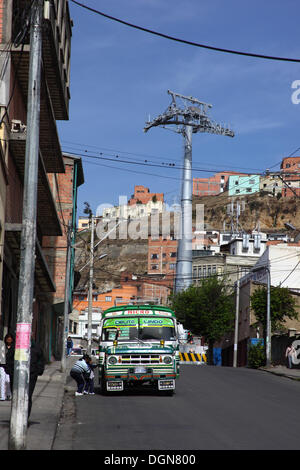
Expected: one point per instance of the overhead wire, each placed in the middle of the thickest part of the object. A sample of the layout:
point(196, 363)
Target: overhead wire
point(183, 41)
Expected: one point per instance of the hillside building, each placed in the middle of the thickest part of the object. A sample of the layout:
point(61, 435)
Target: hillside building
point(141, 204)
point(243, 185)
point(212, 185)
point(290, 172)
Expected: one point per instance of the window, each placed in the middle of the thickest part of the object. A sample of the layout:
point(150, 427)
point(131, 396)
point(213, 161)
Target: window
point(237, 191)
point(252, 181)
point(154, 256)
point(214, 270)
point(172, 265)
point(173, 254)
point(248, 190)
point(154, 266)
point(108, 298)
point(199, 271)
point(236, 182)
point(288, 165)
point(204, 271)
point(194, 272)
point(209, 271)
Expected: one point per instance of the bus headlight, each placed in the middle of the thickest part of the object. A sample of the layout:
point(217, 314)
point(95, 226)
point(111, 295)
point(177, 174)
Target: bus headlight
point(167, 359)
point(112, 360)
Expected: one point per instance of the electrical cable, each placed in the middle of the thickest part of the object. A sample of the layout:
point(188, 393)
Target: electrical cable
point(183, 41)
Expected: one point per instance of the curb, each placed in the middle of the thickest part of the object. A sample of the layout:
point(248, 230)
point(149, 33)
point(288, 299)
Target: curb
point(280, 374)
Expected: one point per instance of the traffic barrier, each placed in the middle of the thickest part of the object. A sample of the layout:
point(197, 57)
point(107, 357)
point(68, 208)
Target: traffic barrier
point(192, 358)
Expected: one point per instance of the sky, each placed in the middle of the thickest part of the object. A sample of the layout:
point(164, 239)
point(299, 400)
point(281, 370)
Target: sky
point(120, 76)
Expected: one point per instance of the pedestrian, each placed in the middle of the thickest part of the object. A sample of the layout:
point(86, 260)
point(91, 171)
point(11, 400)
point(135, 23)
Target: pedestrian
point(80, 373)
point(89, 383)
point(4, 378)
point(37, 365)
point(289, 353)
point(9, 341)
point(69, 346)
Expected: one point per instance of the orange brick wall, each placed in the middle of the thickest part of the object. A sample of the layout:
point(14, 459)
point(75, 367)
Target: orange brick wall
point(163, 249)
point(141, 193)
point(126, 292)
point(55, 248)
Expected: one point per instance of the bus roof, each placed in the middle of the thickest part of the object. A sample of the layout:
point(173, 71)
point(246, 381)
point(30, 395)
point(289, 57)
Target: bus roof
point(138, 310)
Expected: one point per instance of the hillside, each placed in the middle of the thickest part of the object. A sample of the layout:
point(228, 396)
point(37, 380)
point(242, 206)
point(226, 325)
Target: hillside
point(131, 255)
point(260, 208)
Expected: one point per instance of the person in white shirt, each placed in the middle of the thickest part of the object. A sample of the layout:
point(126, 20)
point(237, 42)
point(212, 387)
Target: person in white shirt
point(80, 373)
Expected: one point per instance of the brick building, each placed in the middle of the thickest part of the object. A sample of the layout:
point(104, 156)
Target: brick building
point(162, 256)
point(64, 188)
point(290, 172)
point(143, 195)
point(213, 185)
point(14, 62)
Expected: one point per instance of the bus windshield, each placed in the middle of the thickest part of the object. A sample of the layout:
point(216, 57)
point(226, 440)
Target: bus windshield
point(138, 328)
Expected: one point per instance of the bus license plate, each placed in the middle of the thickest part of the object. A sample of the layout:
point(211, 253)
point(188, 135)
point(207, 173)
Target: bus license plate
point(140, 370)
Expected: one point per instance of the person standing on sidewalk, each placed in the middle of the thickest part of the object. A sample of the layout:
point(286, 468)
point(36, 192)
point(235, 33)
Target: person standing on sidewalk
point(9, 341)
point(80, 373)
point(69, 346)
point(289, 353)
point(4, 378)
point(37, 365)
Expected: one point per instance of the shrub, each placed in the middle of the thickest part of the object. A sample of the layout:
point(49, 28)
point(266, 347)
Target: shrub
point(256, 356)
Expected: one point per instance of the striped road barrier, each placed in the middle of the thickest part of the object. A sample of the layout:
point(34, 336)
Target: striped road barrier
point(192, 358)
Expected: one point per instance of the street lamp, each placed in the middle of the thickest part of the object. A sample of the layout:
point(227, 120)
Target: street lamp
point(268, 332)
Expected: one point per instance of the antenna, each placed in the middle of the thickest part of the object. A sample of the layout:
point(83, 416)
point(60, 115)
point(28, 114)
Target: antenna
point(189, 118)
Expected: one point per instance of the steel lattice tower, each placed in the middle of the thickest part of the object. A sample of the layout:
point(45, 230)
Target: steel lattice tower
point(188, 118)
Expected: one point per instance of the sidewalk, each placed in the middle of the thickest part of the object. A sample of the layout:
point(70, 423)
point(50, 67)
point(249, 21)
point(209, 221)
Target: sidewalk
point(46, 407)
point(283, 371)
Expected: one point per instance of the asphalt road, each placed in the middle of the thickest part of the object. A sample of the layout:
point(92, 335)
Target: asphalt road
point(213, 408)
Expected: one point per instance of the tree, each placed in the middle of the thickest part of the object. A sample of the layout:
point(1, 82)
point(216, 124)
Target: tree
point(207, 310)
point(282, 305)
point(87, 210)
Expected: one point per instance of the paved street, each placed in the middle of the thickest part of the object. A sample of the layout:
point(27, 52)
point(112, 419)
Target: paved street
point(213, 408)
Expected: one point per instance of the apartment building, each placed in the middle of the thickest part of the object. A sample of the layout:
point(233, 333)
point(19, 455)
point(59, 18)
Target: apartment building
point(54, 105)
point(212, 185)
point(141, 204)
point(290, 172)
point(243, 185)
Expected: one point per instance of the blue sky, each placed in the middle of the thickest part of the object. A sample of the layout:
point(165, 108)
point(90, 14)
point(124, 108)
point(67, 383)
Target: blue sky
point(120, 75)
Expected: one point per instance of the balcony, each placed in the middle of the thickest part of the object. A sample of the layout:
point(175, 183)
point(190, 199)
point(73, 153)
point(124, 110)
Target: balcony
point(56, 44)
point(47, 216)
point(42, 273)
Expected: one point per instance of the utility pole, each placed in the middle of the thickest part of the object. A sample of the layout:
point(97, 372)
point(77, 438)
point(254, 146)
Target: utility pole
point(19, 413)
point(67, 299)
point(268, 318)
point(236, 328)
point(90, 296)
point(190, 118)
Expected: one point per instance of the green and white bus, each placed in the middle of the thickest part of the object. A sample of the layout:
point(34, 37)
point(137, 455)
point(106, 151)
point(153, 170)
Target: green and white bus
point(138, 347)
